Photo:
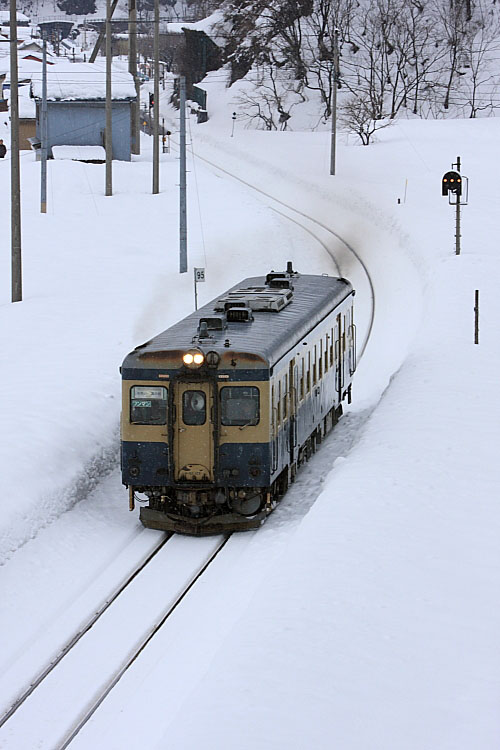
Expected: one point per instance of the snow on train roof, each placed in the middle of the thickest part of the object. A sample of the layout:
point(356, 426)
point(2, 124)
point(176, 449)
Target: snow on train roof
point(268, 334)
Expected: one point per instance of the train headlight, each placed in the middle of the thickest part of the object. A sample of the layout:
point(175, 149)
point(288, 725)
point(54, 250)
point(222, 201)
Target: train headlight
point(193, 358)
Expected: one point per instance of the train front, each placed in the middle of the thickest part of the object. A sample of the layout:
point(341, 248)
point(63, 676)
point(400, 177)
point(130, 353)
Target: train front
point(196, 433)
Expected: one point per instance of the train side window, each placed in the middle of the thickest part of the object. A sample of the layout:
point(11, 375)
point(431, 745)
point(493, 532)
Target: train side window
point(315, 370)
point(194, 407)
point(302, 380)
point(239, 405)
point(331, 347)
point(308, 371)
point(285, 397)
point(326, 353)
point(148, 404)
point(320, 360)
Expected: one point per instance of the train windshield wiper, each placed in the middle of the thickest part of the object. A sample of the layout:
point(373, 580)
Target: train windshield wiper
point(252, 422)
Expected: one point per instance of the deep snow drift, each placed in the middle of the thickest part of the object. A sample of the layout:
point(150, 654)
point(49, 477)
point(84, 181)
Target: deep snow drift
point(374, 621)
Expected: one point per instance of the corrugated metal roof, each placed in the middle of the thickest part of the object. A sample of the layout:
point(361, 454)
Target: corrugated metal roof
point(268, 334)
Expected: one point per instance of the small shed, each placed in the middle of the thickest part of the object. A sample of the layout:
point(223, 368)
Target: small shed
point(27, 121)
point(76, 98)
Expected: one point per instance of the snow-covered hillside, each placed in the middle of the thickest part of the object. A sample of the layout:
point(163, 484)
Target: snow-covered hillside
point(363, 614)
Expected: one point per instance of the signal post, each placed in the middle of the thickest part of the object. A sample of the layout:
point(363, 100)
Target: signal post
point(452, 186)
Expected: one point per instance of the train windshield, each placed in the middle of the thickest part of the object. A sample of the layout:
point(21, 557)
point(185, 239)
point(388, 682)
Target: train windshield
point(148, 405)
point(239, 405)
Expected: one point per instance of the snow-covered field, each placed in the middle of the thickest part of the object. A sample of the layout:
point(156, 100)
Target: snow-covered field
point(364, 613)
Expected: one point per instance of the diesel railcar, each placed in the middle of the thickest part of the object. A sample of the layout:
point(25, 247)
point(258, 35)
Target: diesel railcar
point(221, 409)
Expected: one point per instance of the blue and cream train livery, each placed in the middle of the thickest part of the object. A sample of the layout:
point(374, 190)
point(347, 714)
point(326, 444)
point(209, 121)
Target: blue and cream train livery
point(221, 409)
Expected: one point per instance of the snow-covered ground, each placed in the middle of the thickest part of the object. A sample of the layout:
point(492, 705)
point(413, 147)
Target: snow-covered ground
point(363, 614)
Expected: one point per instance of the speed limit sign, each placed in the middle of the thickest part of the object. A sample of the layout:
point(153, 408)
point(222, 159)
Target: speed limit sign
point(199, 275)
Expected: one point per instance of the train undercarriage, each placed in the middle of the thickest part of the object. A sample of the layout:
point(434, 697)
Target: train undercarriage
point(204, 510)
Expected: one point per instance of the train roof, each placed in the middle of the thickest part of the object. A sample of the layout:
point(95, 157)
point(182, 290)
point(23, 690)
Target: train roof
point(279, 305)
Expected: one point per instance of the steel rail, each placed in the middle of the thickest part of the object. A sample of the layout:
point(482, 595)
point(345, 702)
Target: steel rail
point(139, 649)
point(75, 638)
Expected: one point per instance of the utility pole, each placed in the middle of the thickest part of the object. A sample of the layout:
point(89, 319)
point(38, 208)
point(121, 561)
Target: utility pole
point(183, 267)
point(15, 182)
point(102, 33)
point(132, 69)
point(156, 95)
point(334, 99)
point(43, 128)
point(108, 139)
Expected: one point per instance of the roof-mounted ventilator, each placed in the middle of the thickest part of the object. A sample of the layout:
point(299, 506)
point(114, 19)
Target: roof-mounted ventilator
point(282, 279)
point(257, 298)
point(239, 314)
point(207, 325)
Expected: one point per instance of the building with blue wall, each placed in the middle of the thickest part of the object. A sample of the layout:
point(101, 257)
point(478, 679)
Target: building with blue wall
point(76, 98)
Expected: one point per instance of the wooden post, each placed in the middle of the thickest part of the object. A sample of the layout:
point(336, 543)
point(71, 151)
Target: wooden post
point(476, 316)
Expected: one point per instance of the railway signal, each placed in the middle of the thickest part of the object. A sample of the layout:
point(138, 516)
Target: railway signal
point(452, 185)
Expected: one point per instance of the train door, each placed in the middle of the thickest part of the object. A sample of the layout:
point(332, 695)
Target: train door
point(339, 357)
point(275, 429)
point(293, 385)
point(351, 341)
point(193, 432)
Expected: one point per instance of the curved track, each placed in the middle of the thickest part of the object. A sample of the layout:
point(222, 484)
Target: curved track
point(302, 220)
point(316, 223)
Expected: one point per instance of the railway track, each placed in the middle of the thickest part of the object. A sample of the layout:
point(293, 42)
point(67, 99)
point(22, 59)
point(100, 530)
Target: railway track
point(38, 679)
point(71, 688)
point(53, 686)
point(305, 220)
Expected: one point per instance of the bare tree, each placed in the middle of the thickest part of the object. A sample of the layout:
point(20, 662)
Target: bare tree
point(329, 17)
point(452, 23)
point(479, 80)
point(271, 99)
point(357, 117)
